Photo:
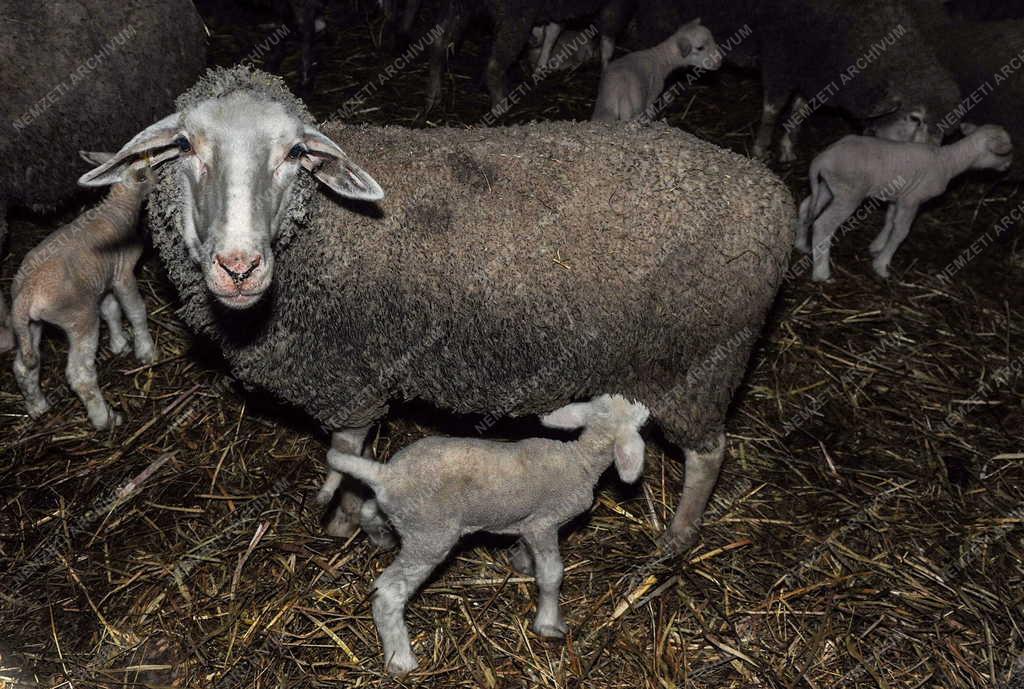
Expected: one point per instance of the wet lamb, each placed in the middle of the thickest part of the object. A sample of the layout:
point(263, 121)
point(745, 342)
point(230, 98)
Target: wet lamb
point(631, 85)
point(905, 175)
point(440, 489)
point(82, 271)
point(487, 280)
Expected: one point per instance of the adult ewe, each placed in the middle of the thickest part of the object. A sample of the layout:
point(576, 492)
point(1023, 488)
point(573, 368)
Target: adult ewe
point(83, 74)
point(508, 271)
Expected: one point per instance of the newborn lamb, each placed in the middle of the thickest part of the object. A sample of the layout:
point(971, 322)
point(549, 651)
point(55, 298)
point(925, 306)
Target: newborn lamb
point(82, 270)
point(632, 84)
point(903, 174)
point(439, 489)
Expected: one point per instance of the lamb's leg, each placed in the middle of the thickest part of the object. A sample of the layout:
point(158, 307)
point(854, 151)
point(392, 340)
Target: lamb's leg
point(773, 105)
point(548, 572)
point(551, 32)
point(26, 373)
point(111, 313)
point(883, 237)
point(607, 50)
point(824, 228)
point(395, 586)
point(521, 560)
point(903, 218)
point(345, 519)
point(83, 341)
point(702, 467)
point(127, 293)
point(376, 526)
point(787, 145)
point(810, 209)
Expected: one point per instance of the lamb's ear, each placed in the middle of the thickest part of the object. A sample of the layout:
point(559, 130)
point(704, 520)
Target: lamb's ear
point(966, 128)
point(568, 417)
point(158, 135)
point(329, 164)
point(95, 157)
point(685, 47)
point(629, 455)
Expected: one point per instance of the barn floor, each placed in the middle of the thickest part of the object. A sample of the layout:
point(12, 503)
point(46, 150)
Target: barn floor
point(866, 531)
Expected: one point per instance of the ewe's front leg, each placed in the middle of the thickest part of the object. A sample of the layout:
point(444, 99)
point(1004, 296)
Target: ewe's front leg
point(548, 572)
point(345, 519)
point(702, 468)
point(787, 145)
point(773, 105)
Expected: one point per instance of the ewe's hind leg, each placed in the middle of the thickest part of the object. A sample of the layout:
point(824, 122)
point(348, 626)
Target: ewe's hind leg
point(135, 308)
point(511, 36)
point(111, 312)
point(824, 228)
point(396, 585)
point(902, 219)
point(883, 237)
point(83, 341)
point(27, 374)
point(702, 468)
point(6, 336)
point(345, 519)
point(548, 572)
point(451, 24)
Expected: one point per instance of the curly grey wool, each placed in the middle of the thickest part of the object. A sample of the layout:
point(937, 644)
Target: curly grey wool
point(508, 271)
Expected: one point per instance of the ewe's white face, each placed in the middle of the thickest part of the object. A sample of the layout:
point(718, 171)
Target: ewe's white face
point(240, 156)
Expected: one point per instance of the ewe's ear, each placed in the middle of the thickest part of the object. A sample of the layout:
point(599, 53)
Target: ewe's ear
point(966, 128)
point(95, 157)
point(629, 455)
point(568, 417)
point(329, 164)
point(158, 135)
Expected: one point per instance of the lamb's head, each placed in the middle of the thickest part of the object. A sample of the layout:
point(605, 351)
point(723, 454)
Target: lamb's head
point(239, 155)
point(696, 46)
point(991, 144)
point(614, 416)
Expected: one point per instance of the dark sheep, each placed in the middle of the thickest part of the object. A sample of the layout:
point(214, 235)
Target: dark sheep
point(83, 74)
point(810, 49)
point(508, 271)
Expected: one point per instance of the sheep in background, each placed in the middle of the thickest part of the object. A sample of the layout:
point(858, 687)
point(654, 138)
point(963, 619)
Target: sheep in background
point(632, 84)
point(904, 174)
point(866, 57)
point(513, 22)
point(437, 490)
point(138, 66)
point(573, 48)
point(83, 270)
point(488, 280)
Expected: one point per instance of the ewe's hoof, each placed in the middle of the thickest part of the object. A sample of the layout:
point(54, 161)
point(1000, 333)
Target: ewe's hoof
point(6, 340)
point(804, 248)
point(551, 631)
point(825, 279)
point(677, 542)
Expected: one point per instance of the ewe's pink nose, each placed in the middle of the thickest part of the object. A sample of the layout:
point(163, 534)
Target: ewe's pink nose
point(238, 264)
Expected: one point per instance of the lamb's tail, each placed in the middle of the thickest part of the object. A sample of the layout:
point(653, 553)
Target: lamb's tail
point(20, 322)
point(368, 471)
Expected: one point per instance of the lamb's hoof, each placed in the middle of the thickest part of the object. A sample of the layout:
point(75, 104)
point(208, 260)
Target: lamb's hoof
point(382, 538)
point(117, 346)
point(762, 154)
point(402, 664)
point(883, 273)
point(804, 248)
point(37, 409)
point(521, 561)
point(678, 541)
point(558, 630)
point(110, 420)
point(323, 496)
point(146, 355)
point(824, 279)
point(342, 525)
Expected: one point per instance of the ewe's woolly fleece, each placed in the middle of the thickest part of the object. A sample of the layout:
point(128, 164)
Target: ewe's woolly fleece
point(509, 271)
point(105, 70)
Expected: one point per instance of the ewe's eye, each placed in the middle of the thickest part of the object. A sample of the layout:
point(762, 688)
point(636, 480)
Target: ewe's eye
point(183, 144)
point(296, 152)
point(700, 49)
point(916, 119)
